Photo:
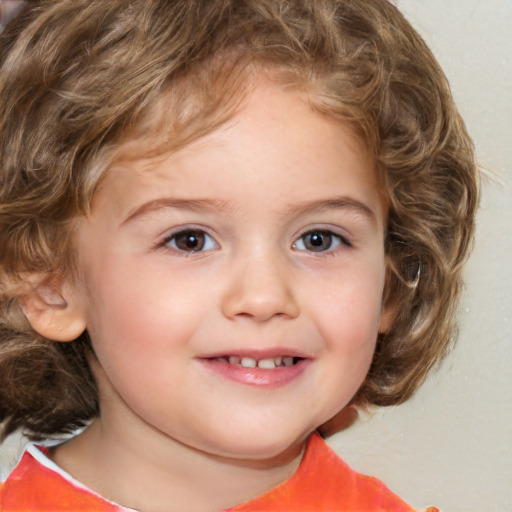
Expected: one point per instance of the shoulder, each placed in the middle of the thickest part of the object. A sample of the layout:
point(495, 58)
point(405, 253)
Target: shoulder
point(324, 482)
point(337, 484)
point(35, 485)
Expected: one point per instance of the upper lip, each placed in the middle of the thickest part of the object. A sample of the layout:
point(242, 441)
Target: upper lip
point(259, 353)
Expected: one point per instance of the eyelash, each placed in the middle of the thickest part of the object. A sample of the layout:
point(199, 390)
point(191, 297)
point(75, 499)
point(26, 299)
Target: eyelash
point(208, 243)
point(334, 238)
point(170, 242)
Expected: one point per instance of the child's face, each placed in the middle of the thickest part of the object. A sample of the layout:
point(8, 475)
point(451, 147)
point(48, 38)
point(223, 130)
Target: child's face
point(262, 240)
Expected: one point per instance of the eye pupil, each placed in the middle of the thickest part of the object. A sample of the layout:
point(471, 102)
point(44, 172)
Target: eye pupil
point(190, 241)
point(318, 241)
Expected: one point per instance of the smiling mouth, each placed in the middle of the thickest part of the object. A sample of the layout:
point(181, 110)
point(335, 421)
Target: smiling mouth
point(265, 364)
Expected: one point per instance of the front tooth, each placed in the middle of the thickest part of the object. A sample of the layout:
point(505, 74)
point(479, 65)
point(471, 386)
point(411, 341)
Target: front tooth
point(278, 361)
point(248, 362)
point(234, 360)
point(288, 361)
point(267, 364)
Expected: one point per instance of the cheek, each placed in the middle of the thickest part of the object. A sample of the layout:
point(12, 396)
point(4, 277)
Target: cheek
point(148, 310)
point(348, 324)
point(348, 309)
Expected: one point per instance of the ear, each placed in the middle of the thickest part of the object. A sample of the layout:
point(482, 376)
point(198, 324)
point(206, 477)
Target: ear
point(54, 310)
point(388, 306)
point(387, 315)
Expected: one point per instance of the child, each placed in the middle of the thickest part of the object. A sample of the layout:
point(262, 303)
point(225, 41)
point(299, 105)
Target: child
point(223, 224)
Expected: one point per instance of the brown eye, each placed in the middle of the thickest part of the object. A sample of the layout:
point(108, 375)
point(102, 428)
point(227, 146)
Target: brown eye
point(191, 240)
point(318, 241)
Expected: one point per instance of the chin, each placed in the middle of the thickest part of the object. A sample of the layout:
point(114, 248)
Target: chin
point(261, 446)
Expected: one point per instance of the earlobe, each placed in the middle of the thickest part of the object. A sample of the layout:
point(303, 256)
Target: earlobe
point(386, 319)
point(54, 311)
point(388, 306)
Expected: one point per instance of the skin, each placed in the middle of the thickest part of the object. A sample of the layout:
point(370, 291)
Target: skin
point(173, 432)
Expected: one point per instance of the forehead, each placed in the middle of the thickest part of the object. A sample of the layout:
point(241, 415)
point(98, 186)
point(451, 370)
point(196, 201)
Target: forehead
point(274, 128)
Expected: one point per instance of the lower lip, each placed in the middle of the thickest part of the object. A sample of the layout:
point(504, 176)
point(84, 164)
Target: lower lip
point(257, 376)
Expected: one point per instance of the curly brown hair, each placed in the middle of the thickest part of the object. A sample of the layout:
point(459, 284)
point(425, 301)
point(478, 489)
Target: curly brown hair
point(80, 77)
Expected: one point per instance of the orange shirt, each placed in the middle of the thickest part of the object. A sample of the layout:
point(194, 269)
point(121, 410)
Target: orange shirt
point(323, 482)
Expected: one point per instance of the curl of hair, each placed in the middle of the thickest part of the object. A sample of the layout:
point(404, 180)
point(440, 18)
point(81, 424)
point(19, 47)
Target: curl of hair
point(81, 77)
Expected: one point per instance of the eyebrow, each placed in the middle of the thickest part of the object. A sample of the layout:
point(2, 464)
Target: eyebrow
point(215, 205)
point(335, 203)
point(212, 205)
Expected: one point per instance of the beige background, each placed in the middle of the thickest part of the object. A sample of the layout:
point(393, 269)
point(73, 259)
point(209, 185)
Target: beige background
point(450, 445)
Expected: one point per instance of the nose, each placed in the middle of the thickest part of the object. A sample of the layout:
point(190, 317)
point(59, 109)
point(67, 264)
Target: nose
point(260, 288)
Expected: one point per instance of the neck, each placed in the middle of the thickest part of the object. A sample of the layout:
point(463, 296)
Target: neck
point(156, 471)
